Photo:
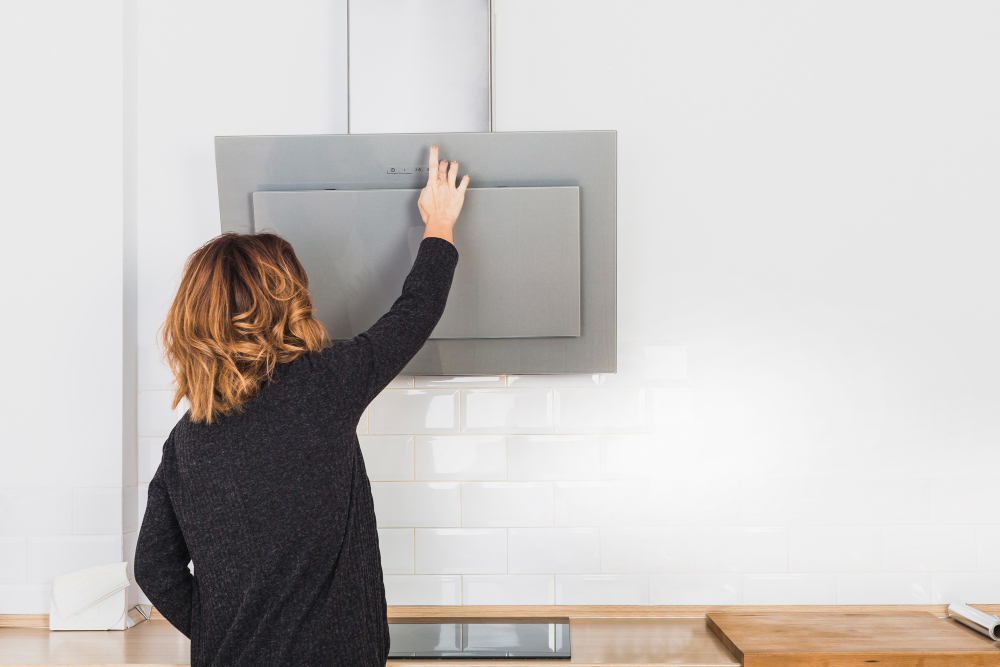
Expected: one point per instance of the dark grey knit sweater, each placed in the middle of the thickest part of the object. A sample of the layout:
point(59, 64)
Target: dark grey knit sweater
point(274, 508)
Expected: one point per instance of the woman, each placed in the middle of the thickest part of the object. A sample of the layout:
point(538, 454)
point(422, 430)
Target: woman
point(262, 485)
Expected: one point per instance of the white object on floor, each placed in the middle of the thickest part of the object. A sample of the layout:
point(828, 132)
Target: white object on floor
point(95, 598)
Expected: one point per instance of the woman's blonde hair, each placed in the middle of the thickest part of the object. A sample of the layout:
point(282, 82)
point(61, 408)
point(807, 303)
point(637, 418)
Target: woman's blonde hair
point(243, 306)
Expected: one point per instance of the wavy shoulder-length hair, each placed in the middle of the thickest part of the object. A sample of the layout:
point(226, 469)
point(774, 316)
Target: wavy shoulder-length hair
point(243, 306)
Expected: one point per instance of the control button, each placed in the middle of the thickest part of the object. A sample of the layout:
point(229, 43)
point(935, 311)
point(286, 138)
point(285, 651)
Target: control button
point(418, 169)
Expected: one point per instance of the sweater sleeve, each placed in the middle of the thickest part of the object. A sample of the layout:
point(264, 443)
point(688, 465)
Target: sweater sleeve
point(388, 345)
point(161, 554)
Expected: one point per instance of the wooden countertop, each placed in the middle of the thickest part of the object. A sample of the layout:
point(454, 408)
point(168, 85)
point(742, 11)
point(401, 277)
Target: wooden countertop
point(601, 636)
point(154, 643)
point(600, 642)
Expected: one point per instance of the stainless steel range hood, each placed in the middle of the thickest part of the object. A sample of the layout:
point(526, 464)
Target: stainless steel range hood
point(534, 292)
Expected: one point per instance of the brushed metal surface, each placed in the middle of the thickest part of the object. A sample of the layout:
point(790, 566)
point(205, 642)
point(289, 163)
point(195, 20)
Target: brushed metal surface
point(388, 85)
point(586, 159)
point(518, 273)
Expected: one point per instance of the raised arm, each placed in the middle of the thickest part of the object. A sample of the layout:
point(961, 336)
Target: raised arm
point(389, 344)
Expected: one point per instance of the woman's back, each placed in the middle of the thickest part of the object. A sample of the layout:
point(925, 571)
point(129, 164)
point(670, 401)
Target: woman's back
point(274, 507)
point(276, 512)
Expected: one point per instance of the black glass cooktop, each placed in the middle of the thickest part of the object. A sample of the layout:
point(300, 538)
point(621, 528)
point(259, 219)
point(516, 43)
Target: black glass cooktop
point(479, 640)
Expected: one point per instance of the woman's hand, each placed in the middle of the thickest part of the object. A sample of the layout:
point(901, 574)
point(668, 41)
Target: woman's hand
point(441, 201)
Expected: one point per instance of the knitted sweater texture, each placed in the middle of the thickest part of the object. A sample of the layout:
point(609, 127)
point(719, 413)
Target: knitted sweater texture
point(273, 506)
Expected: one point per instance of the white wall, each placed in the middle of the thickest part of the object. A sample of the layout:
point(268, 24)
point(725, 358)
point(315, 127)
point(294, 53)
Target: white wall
point(806, 404)
point(806, 377)
point(61, 400)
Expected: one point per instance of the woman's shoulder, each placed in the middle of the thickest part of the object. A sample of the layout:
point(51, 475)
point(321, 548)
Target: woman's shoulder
point(340, 357)
point(333, 367)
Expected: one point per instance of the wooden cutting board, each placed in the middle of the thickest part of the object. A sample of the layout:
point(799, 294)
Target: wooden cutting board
point(906, 639)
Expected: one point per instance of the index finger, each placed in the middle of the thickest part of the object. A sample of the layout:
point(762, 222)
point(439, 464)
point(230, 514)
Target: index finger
point(432, 165)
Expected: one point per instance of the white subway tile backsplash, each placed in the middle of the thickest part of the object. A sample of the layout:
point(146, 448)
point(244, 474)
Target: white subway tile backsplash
point(602, 589)
point(153, 372)
point(834, 548)
point(150, 454)
point(579, 489)
point(589, 380)
point(388, 458)
point(129, 457)
point(507, 410)
point(741, 549)
point(461, 457)
point(632, 455)
point(36, 511)
point(644, 550)
point(666, 406)
point(601, 503)
point(694, 502)
point(630, 368)
point(988, 548)
point(422, 589)
point(928, 548)
point(413, 411)
point(666, 362)
point(601, 410)
point(507, 504)
point(963, 501)
point(13, 559)
point(130, 508)
point(156, 417)
point(396, 548)
point(553, 550)
point(143, 491)
point(25, 598)
point(789, 589)
point(508, 589)
point(697, 589)
point(787, 501)
point(884, 588)
point(648, 363)
point(50, 556)
point(553, 457)
point(97, 511)
point(129, 541)
point(461, 550)
point(460, 381)
point(882, 501)
point(965, 587)
point(417, 504)
point(362, 426)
